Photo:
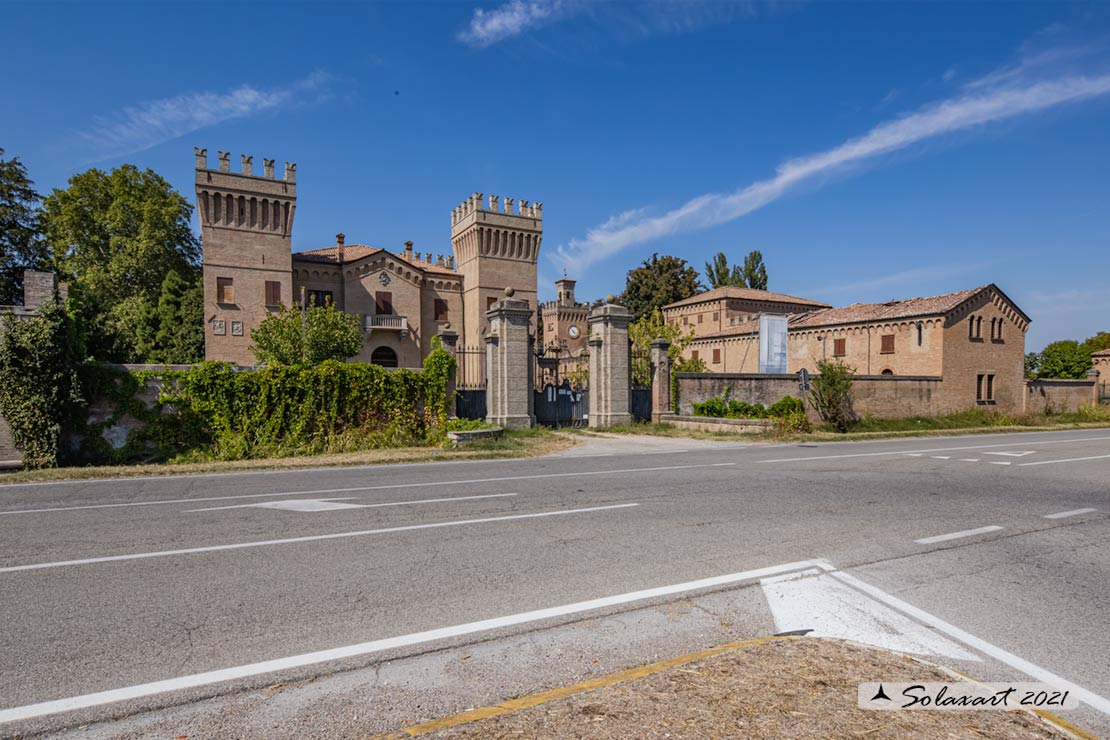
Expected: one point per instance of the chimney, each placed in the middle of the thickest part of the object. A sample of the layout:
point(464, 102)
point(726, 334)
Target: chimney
point(439, 260)
point(450, 263)
point(408, 251)
point(339, 239)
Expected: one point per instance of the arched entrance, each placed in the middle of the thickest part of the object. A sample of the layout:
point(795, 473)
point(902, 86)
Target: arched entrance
point(384, 356)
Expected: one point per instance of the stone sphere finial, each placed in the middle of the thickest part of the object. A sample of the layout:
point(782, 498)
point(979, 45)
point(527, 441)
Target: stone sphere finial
point(509, 292)
point(610, 298)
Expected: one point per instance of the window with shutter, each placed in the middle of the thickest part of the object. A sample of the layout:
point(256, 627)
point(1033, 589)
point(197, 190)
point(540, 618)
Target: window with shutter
point(441, 309)
point(273, 293)
point(887, 344)
point(383, 303)
point(839, 347)
point(225, 290)
point(717, 356)
point(693, 354)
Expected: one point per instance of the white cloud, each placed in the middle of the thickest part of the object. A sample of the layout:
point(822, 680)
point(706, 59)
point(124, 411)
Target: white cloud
point(867, 289)
point(968, 110)
point(487, 27)
point(143, 126)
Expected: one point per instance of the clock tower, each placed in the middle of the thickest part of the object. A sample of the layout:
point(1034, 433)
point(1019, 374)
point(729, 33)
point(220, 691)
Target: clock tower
point(564, 320)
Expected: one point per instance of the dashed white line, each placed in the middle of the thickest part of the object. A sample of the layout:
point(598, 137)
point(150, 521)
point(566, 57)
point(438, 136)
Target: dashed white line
point(995, 462)
point(940, 457)
point(957, 535)
point(372, 506)
point(1066, 514)
point(936, 449)
point(969, 459)
point(310, 538)
point(375, 646)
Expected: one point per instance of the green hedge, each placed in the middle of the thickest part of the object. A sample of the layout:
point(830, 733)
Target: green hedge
point(725, 408)
point(215, 411)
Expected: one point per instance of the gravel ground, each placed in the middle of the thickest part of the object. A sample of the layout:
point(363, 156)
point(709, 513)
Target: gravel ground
point(796, 688)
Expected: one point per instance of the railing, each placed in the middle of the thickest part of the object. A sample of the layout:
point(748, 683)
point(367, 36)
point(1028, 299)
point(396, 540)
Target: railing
point(387, 321)
point(470, 370)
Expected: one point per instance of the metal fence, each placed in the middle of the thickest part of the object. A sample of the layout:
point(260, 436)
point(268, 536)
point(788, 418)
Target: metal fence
point(562, 406)
point(470, 372)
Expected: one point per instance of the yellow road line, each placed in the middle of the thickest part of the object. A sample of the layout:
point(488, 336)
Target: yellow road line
point(563, 692)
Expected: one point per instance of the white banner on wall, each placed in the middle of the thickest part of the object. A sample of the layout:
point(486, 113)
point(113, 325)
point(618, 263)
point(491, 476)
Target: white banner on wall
point(772, 343)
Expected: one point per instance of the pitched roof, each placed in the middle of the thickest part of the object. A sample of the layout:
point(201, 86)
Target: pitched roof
point(748, 294)
point(1102, 353)
point(904, 309)
point(355, 252)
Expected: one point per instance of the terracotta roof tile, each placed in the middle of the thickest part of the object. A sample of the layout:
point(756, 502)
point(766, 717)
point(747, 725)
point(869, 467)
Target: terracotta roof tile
point(1102, 353)
point(355, 252)
point(749, 294)
point(860, 312)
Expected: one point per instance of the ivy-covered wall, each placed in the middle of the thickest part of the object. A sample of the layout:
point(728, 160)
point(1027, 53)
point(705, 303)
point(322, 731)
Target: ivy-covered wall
point(217, 411)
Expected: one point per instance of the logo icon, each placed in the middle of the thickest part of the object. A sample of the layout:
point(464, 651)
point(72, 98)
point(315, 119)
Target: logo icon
point(880, 694)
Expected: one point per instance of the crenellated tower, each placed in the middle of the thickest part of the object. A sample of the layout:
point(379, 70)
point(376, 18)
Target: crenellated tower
point(496, 244)
point(246, 226)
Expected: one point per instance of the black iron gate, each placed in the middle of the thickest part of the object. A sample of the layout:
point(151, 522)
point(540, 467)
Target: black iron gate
point(641, 371)
point(470, 383)
point(562, 406)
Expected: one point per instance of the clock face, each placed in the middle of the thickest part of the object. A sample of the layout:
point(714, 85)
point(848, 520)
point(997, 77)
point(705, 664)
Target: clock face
point(573, 332)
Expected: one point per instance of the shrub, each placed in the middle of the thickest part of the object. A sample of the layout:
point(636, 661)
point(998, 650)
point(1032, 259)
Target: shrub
point(794, 422)
point(726, 408)
point(831, 394)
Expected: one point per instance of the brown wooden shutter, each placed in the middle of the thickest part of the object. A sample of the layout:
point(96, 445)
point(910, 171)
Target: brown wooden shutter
point(839, 347)
point(716, 356)
point(887, 343)
point(273, 292)
point(441, 309)
point(225, 290)
point(383, 303)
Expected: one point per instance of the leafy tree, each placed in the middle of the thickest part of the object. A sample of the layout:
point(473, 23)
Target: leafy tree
point(21, 246)
point(116, 235)
point(321, 333)
point(755, 272)
point(647, 329)
point(1064, 359)
point(39, 389)
point(719, 274)
point(1097, 343)
point(1032, 364)
point(179, 317)
point(831, 394)
point(657, 282)
point(752, 275)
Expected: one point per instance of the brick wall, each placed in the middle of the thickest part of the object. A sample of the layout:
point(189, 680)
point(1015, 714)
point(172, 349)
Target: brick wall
point(1058, 395)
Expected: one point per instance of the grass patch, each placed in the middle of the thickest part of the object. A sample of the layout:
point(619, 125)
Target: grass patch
point(979, 418)
point(514, 443)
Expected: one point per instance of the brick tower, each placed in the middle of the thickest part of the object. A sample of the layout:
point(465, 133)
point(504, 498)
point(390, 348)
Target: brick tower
point(246, 226)
point(496, 247)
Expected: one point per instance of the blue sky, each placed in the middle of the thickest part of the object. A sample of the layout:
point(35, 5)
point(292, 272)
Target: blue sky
point(871, 151)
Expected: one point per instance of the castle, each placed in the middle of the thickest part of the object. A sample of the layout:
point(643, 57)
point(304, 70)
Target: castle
point(403, 299)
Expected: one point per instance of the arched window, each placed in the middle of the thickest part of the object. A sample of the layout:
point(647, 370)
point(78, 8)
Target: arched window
point(384, 356)
point(887, 371)
point(971, 328)
point(979, 328)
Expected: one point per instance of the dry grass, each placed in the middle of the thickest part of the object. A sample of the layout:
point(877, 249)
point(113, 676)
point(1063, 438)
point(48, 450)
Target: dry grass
point(793, 689)
point(531, 443)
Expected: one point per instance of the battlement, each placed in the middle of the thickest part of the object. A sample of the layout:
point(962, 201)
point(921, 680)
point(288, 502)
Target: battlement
point(496, 204)
point(246, 165)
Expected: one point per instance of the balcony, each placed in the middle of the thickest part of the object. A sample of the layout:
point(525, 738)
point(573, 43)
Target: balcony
point(387, 322)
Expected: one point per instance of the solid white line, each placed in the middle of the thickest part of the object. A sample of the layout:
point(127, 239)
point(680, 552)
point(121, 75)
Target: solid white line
point(995, 462)
point(936, 449)
point(297, 661)
point(309, 538)
point(969, 459)
point(371, 506)
point(1065, 514)
point(941, 457)
point(377, 488)
point(1092, 699)
point(957, 535)
point(1070, 459)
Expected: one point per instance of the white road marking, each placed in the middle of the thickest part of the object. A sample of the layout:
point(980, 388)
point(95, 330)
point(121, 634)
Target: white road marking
point(969, 459)
point(1070, 459)
point(957, 535)
point(375, 646)
point(301, 505)
point(995, 462)
point(832, 609)
point(1030, 669)
point(937, 449)
point(915, 454)
point(1023, 453)
point(311, 538)
point(1066, 514)
point(385, 487)
point(276, 504)
point(940, 457)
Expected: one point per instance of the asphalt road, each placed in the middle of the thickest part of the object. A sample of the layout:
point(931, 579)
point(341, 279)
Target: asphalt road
point(114, 584)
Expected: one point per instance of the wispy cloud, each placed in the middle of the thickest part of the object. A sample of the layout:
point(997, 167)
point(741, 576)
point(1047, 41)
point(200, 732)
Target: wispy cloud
point(145, 125)
point(867, 289)
point(488, 27)
point(974, 107)
point(517, 17)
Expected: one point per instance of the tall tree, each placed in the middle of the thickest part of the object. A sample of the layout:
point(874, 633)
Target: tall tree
point(1097, 343)
point(290, 337)
point(755, 272)
point(21, 247)
point(719, 274)
point(1064, 359)
point(179, 317)
point(115, 236)
point(657, 282)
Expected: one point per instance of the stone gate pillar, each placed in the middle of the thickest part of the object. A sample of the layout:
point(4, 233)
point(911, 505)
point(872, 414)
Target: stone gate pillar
point(1093, 376)
point(610, 365)
point(509, 397)
point(449, 340)
point(661, 402)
